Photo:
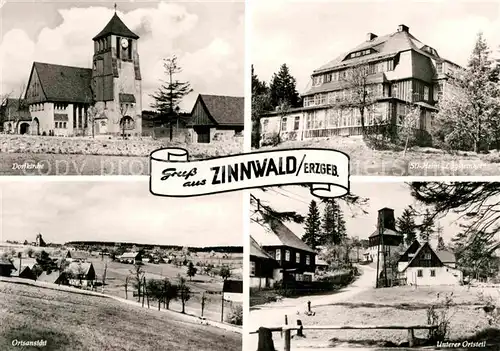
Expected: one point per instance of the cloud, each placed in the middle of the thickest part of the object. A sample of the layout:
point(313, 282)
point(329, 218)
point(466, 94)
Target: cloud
point(164, 30)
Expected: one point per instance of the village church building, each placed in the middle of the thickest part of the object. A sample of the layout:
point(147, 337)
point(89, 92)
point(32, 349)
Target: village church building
point(76, 101)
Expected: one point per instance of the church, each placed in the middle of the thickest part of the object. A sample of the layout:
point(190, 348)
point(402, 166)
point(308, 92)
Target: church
point(76, 101)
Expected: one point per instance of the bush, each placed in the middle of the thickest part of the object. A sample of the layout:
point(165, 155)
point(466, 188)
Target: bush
point(439, 314)
point(235, 315)
point(273, 139)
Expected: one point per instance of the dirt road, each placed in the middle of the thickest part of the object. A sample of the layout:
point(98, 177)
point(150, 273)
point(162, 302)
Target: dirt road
point(273, 314)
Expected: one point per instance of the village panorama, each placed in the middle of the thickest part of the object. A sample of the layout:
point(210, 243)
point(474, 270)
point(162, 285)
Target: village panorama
point(418, 266)
point(105, 115)
point(135, 286)
point(401, 96)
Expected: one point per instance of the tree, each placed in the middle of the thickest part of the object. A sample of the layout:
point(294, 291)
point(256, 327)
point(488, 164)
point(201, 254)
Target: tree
point(29, 252)
point(329, 224)
point(406, 225)
point(312, 235)
point(184, 292)
point(137, 274)
point(467, 117)
point(171, 292)
point(261, 102)
point(282, 89)
point(45, 262)
point(427, 226)
point(225, 272)
point(191, 270)
point(105, 271)
point(125, 285)
point(358, 92)
point(154, 288)
point(80, 273)
point(169, 95)
point(406, 133)
point(441, 245)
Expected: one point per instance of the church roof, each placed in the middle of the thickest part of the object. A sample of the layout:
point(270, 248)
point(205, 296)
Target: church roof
point(117, 27)
point(225, 110)
point(64, 83)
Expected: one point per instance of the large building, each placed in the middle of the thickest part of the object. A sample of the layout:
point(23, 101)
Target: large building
point(387, 75)
point(102, 100)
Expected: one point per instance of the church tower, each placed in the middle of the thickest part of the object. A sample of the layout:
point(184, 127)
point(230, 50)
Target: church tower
point(116, 80)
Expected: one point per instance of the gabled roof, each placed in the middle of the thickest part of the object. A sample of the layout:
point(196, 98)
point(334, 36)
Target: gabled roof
point(383, 46)
point(86, 268)
point(129, 255)
point(446, 256)
point(117, 27)
point(224, 110)
point(286, 237)
point(64, 83)
point(412, 249)
point(386, 232)
point(53, 277)
point(419, 251)
point(257, 251)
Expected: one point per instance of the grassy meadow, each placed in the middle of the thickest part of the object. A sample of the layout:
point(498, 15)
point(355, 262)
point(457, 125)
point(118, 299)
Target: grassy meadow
point(81, 322)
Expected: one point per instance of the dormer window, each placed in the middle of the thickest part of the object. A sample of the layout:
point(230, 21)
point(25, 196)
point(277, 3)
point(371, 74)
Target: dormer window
point(360, 53)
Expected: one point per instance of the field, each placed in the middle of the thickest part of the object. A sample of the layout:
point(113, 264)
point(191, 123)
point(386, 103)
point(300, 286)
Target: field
point(392, 306)
point(79, 322)
point(117, 272)
point(417, 162)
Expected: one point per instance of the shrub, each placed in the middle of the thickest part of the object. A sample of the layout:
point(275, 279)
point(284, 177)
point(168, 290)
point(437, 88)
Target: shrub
point(235, 315)
point(273, 139)
point(439, 314)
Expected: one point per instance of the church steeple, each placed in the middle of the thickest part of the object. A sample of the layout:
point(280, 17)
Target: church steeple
point(116, 27)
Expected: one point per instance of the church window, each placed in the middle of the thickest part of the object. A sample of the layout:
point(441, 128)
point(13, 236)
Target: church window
point(118, 46)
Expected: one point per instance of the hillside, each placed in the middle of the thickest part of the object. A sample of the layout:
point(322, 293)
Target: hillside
point(81, 322)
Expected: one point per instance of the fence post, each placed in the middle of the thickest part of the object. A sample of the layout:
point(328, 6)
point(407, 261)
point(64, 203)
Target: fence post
point(309, 306)
point(300, 331)
point(265, 340)
point(222, 310)
point(287, 340)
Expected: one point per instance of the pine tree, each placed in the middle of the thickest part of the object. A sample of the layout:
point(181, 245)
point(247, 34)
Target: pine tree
point(427, 227)
point(341, 229)
point(168, 96)
point(283, 88)
point(329, 225)
point(406, 225)
point(312, 235)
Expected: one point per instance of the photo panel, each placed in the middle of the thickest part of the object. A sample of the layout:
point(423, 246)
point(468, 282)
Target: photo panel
point(99, 265)
point(393, 264)
point(404, 88)
point(92, 88)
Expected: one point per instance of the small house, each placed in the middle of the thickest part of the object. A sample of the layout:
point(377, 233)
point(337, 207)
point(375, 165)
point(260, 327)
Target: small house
point(6, 267)
point(428, 267)
point(262, 265)
point(81, 273)
point(215, 118)
point(296, 260)
point(132, 257)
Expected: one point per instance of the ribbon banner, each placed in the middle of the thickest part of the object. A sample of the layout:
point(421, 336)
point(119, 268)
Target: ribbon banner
point(173, 175)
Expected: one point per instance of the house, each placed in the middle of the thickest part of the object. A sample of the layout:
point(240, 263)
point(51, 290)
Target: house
point(14, 116)
point(385, 235)
point(79, 273)
point(215, 118)
point(6, 267)
point(428, 267)
point(24, 268)
point(53, 277)
point(296, 260)
point(262, 265)
point(133, 257)
point(392, 72)
point(102, 100)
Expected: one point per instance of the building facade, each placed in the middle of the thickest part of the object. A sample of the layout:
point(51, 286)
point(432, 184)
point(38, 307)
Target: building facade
point(385, 238)
point(386, 77)
point(102, 100)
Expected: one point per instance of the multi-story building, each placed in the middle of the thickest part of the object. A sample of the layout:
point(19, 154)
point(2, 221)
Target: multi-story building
point(104, 99)
point(383, 77)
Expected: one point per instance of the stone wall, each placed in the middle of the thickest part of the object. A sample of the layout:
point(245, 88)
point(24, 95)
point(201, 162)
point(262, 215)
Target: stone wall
point(111, 146)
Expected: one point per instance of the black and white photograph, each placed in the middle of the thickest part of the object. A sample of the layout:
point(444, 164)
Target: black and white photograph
point(104, 265)
point(405, 88)
point(92, 88)
point(392, 265)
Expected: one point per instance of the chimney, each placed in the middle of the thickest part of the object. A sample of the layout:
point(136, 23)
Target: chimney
point(403, 28)
point(386, 218)
point(370, 36)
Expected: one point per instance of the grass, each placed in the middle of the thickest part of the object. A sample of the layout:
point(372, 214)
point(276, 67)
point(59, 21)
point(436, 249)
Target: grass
point(392, 306)
point(77, 322)
point(417, 162)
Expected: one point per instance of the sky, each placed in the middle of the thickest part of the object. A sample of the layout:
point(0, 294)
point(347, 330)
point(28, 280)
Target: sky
point(207, 37)
point(307, 34)
point(395, 195)
point(114, 211)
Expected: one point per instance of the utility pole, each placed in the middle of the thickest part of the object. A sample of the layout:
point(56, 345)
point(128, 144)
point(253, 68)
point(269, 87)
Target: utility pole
point(378, 252)
point(383, 250)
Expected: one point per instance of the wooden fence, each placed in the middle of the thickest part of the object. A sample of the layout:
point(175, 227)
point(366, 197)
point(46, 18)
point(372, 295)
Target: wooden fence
point(266, 342)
